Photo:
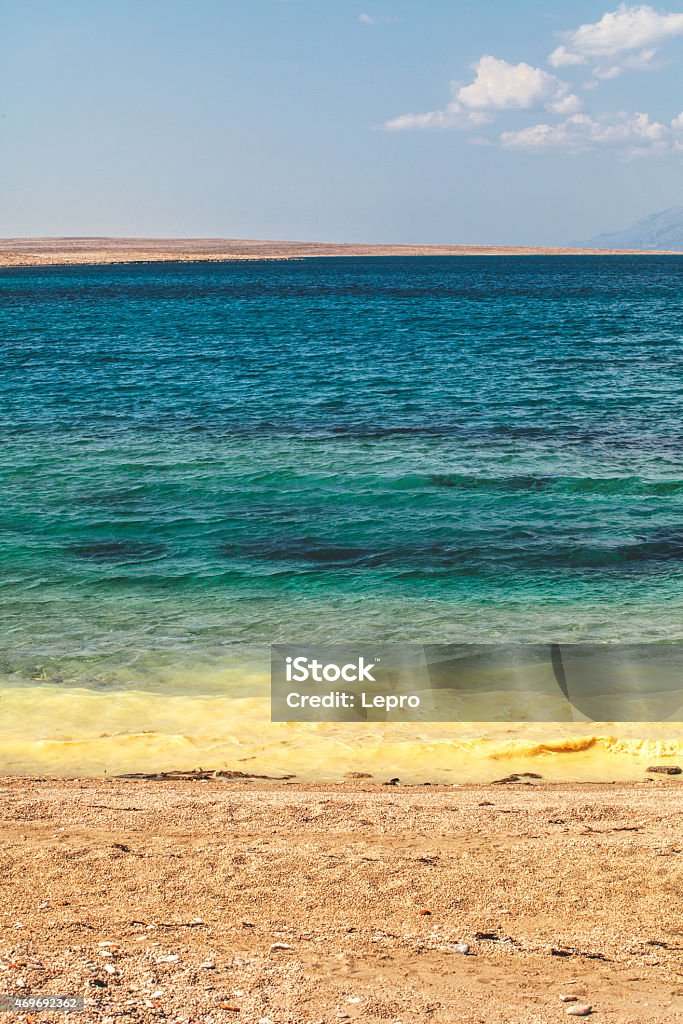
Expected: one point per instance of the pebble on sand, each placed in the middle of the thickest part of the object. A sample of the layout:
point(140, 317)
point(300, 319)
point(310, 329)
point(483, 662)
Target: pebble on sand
point(279, 945)
point(579, 1010)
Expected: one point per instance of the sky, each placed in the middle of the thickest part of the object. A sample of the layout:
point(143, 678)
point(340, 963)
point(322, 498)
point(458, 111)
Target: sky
point(433, 121)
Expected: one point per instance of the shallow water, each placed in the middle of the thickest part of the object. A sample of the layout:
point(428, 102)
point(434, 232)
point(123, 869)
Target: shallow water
point(201, 458)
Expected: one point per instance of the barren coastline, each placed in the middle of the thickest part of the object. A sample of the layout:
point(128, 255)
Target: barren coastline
point(36, 252)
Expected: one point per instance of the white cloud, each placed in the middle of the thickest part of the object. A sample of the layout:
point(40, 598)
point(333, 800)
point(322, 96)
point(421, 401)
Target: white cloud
point(677, 123)
point(452, 117)
point(632, 133)
point(479, 118)
point(497, 86)
point(563, 57)
point(565, 104)
point(502, 86)
point(633, 34)
point(375, 19)
point(643, 61)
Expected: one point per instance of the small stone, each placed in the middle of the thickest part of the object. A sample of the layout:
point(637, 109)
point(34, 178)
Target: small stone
point(357, 775)
point(568, 999)
point(279, 945)
point(353, 999)
point(208, 965)
point(172, 958)
point(579, 1010)
point(110, 969)
point(666, 769)
point(459, 947)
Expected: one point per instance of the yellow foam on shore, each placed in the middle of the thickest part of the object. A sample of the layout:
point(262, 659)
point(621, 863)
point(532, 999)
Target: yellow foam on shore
point(77, 731)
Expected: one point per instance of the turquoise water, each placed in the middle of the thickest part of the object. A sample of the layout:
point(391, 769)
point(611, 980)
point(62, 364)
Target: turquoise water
point(436, 449)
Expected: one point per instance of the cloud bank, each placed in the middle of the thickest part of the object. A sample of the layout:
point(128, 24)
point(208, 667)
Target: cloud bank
point(627, 38)
point(582, 132)
point(497, 86)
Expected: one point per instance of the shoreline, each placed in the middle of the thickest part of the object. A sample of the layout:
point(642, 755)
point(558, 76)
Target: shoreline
point(185, 781)
point(93, 251)
point(294, 903)
point(225, 725)
point(78, 732)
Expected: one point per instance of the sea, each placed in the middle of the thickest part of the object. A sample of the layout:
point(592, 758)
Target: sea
point(200, 460)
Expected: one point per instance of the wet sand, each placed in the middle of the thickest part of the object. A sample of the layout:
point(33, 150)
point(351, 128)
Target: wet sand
point(32, 252)
point(289, 903)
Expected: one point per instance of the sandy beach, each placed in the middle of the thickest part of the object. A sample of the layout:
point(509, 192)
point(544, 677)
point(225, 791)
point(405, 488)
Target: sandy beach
point(37, 252)
point(225, 900)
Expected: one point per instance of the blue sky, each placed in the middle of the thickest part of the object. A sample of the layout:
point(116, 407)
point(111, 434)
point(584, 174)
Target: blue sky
point(378, 120)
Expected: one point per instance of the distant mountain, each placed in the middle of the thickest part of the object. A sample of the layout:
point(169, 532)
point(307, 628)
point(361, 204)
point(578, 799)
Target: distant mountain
point(660, 231)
